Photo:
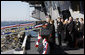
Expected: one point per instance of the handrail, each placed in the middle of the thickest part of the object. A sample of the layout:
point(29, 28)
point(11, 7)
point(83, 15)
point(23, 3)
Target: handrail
point(24, 42)
point(24, 45)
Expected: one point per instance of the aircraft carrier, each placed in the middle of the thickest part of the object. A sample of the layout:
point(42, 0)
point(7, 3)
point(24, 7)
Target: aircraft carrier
point(42, 9)
point(57, 9)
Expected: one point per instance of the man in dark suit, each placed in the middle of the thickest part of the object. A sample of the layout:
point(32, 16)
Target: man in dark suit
point(59, 30)
point(72, 32)
point(77, 24)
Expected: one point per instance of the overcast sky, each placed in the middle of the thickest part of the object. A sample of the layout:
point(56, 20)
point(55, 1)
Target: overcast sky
point(15, 11)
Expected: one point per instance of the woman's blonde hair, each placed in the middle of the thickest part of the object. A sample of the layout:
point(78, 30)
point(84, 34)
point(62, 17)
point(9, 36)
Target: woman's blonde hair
point(66, 21)
point(52, 21)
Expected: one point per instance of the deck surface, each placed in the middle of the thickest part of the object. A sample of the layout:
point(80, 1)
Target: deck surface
point(31, 49)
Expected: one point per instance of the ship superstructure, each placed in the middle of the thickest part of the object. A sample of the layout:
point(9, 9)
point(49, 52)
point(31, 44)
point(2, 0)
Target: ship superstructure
point(57, 9)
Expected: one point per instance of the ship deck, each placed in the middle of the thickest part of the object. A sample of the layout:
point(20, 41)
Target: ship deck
point(31, 49)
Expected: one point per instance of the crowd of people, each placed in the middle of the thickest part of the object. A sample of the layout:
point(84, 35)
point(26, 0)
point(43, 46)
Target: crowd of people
point(69, 31)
